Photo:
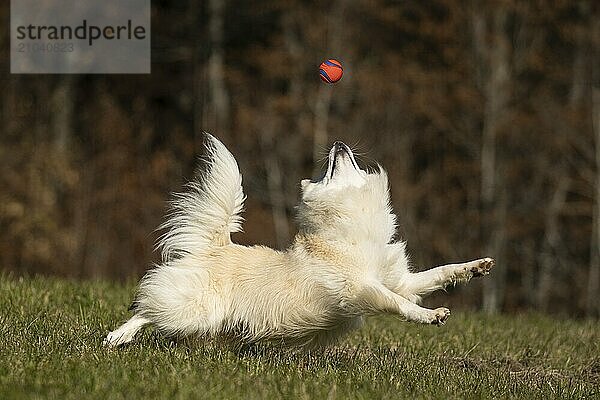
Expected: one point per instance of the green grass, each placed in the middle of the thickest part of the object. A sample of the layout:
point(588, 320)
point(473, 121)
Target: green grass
point(50, 347)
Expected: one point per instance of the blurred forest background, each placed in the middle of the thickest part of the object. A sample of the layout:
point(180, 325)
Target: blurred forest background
point(485, 114)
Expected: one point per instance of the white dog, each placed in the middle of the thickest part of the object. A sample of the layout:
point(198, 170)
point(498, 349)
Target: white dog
point(342, 265)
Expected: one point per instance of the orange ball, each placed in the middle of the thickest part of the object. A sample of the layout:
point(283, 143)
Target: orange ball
point(331, 71)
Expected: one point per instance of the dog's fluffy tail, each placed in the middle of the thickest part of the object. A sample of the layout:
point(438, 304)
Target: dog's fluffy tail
point(210, 210)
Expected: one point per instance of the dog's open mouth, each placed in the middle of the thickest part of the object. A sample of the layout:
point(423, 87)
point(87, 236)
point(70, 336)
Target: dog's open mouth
point(339, 150)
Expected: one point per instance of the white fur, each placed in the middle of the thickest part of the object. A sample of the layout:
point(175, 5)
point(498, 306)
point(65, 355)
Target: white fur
point(343, 264)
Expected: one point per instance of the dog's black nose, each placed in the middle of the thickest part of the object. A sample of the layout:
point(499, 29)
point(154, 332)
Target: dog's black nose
point(339, 146)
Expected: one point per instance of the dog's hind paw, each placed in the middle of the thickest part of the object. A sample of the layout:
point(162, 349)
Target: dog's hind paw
point(483, 267)
point(440, 316)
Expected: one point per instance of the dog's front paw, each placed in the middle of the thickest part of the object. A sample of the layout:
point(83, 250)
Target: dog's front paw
point(110, 340)
point(440, 316)
point(115, 339)
point(483, 267)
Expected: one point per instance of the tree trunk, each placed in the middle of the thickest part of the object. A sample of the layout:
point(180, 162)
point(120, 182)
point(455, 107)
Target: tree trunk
point(495, 80)
point(321, 117)
point(62, 114)
point(593, 298)
point(335, 41)
point(300, 123)
point(552, 242)
point(593, 302)
point(199, 86)
point(218, 115)
point(274, 182)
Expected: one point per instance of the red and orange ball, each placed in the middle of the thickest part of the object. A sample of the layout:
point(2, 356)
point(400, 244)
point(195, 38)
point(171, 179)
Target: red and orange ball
point(331, 71)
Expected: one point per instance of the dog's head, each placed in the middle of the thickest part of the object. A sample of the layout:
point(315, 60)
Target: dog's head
point(347, 203)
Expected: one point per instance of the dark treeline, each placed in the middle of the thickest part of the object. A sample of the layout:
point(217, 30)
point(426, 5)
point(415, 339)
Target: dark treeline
point(486, 115)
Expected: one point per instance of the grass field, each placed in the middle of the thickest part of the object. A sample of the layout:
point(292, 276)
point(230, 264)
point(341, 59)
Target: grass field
point(51, 332)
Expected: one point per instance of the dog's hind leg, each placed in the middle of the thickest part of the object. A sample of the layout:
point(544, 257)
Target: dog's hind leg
point(423, 283)
point(126, 332)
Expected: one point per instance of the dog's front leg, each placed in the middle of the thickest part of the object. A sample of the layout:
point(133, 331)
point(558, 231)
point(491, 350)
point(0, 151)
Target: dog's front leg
point(375, 298)
point(423, 283)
